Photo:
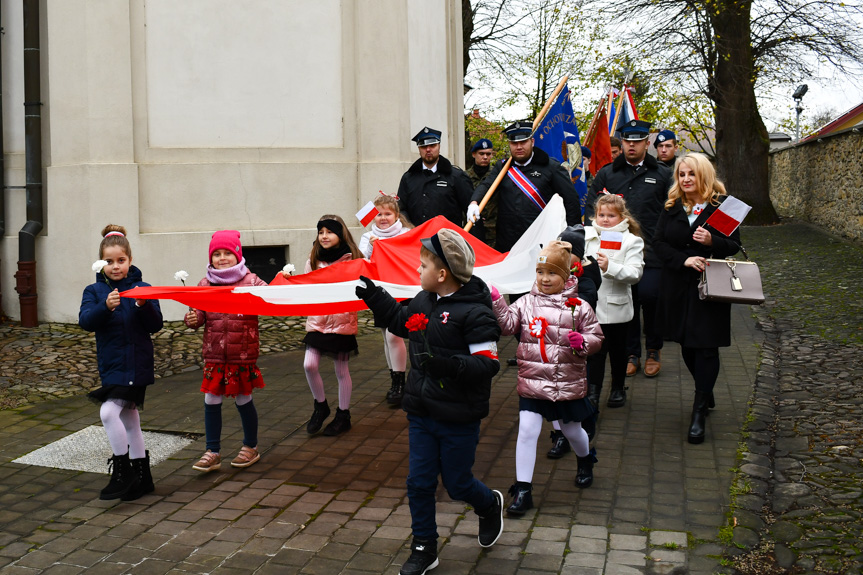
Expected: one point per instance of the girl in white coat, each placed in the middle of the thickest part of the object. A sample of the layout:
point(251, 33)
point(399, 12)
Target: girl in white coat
point(615, 241)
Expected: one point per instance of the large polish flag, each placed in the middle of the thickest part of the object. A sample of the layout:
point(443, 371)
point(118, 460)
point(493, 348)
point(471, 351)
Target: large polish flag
point(728, 216)
point(393, 266)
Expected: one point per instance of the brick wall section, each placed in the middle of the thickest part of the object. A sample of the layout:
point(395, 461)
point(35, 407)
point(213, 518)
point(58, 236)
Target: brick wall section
point(822, 183)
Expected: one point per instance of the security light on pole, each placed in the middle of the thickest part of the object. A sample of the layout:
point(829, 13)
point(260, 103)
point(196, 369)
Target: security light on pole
point(798, 96)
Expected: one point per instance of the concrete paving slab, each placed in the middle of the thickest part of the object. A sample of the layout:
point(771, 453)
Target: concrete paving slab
point(88, 450)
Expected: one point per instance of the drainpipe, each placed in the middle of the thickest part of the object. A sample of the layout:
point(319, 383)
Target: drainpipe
point(26, 275)
point(2, 167)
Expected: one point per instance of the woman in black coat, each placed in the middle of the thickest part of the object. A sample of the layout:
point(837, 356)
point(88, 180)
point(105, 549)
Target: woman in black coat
point(683, 244)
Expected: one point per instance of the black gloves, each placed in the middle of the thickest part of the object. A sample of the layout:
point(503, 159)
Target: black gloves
point(439, 366)
point(366, 291)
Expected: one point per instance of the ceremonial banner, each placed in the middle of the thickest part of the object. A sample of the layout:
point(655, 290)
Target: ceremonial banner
point(558, 136)
point(393, 266)
point(601, 149)
point(728, 216)
point(624, 111)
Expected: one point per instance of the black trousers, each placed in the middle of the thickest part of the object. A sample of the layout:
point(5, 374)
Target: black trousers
point(614, 347)
point(703, 364)
point(645, 297)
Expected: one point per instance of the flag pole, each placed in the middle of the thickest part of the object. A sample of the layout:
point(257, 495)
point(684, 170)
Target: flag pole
point(627, 77)
point(619, 107)
point(536, 122)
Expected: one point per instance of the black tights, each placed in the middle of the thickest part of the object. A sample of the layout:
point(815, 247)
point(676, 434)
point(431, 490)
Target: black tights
point(703, 364)
point(614, 346)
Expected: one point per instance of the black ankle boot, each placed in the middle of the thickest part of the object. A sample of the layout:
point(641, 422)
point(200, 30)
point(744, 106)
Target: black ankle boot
point(617, 397)
point(699, 413)
point(522, 498)
point(340, 423)
point(593, 392)
point(123, 479)
point(394, 395)
point(321, 412)
point(584, 476)
point(141, 469)
point(559, 445)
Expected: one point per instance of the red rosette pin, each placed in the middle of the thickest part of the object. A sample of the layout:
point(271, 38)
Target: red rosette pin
point(537, 328)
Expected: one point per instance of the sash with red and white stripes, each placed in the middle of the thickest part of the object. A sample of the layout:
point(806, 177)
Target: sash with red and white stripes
point(526, 186)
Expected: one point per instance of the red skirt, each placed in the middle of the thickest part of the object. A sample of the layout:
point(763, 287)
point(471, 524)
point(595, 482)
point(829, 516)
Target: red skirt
point(231, 379)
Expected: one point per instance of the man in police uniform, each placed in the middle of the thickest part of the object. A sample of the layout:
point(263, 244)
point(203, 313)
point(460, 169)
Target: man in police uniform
point(643, 182)
point(482, 152)
point(666, 148)
point(432, 186)
point(541, 178)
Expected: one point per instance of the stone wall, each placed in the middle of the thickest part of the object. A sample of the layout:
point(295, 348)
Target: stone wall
point(821, 182)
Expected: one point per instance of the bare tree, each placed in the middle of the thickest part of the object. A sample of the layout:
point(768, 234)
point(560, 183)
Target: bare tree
point(537, 42)
point(726, 50)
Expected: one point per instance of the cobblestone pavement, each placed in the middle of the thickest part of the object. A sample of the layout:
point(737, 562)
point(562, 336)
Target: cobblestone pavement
point(774, 489)
point(59, 360)
point(798, 504)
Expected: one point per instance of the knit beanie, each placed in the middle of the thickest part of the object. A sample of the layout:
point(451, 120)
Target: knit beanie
point(575, 236)
point(227, 240)
point(556, 257)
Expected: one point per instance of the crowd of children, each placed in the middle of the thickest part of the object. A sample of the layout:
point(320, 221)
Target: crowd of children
point(452, 326)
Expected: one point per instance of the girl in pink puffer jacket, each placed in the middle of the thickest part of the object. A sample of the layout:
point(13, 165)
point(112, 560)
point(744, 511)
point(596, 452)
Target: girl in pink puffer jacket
point(230, 353)
point(558, 332)
point(334, 335)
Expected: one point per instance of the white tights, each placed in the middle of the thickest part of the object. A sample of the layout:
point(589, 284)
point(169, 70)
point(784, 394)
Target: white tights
point(529, 428)
point(312, 363)
point(123, 426)
point(394, 350)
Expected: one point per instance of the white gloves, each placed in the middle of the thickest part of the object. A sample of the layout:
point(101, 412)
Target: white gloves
point(473, 212)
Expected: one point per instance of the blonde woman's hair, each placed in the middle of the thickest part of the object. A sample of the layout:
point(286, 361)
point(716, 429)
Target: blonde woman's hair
point(345, 237)
point(118, 238)
point(618, 204)
point(709, 188)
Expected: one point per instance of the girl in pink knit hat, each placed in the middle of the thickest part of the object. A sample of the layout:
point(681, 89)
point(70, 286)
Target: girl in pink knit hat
point(230, 352)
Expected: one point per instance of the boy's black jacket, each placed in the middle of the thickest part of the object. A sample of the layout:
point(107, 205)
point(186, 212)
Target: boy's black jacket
point(455, 321)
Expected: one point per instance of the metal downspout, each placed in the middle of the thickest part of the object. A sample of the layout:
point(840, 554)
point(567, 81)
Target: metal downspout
point(26, 275)
point(2, 166)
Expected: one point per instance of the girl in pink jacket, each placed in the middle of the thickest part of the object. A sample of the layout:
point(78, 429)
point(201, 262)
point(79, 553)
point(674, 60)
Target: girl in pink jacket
point(558, 332)
point(230, 352)
point(333, 335)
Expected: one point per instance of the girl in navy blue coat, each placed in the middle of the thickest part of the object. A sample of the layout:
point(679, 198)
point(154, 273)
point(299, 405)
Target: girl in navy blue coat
point(125, 355)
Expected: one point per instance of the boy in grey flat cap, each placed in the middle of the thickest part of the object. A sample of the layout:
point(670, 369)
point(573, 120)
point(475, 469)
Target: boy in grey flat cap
point(453, 337)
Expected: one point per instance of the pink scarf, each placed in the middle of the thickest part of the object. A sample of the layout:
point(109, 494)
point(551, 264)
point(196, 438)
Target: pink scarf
point(229, 275)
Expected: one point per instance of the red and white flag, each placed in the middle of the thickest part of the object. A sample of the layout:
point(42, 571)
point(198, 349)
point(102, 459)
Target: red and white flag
point(393, 266)
point(728, 216)
point(367, 213)
point(610, 240)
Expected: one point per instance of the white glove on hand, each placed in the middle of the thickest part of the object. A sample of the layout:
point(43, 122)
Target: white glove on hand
point(473, 213)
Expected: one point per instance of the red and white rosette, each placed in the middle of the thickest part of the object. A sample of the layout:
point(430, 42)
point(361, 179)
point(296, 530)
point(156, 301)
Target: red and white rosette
point(537, 328)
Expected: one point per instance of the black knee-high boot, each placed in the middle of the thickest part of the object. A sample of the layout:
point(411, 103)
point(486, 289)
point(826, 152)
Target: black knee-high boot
point(699, 413)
